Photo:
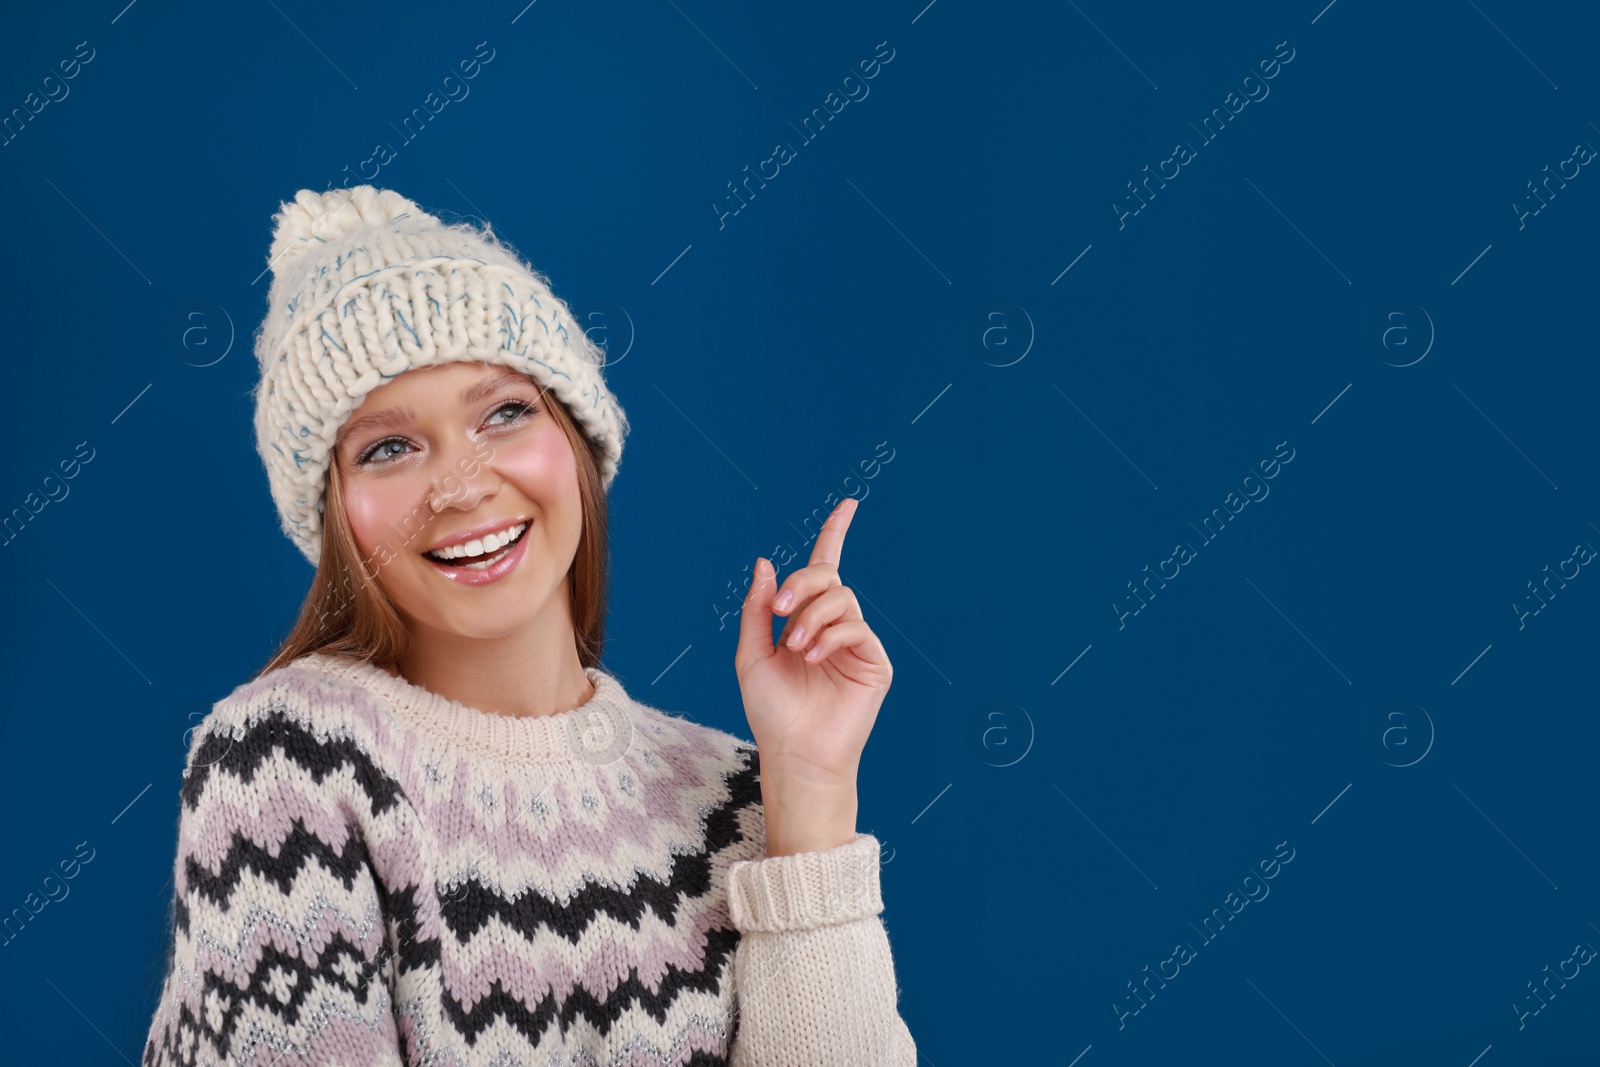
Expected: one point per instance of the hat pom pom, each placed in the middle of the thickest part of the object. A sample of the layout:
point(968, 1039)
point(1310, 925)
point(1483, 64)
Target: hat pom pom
point(314, 219)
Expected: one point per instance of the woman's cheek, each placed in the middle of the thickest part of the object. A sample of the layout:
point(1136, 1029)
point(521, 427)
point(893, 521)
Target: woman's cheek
point(372, 510)
point(541, 465)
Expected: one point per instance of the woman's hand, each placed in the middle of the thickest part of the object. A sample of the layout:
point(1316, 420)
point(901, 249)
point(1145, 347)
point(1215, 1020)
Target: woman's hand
point(811, 700)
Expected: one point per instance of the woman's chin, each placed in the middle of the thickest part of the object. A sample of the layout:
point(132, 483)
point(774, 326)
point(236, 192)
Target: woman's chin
point(497, 611)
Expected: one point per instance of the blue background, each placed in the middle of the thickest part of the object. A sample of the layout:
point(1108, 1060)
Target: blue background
point(902, 287)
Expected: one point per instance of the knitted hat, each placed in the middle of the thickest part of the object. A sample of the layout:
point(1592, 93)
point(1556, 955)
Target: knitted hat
point(365, 286)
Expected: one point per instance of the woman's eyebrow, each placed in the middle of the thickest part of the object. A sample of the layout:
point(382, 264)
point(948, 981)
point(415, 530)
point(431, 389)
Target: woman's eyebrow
point(469, 396)
point(386, 417)
point(491, 385)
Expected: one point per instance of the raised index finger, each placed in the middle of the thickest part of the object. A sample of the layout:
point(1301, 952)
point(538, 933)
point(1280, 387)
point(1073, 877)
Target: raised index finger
point(830, 541)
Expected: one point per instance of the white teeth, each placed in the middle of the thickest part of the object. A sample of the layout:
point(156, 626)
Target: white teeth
point(478, 546)
point(486, 563)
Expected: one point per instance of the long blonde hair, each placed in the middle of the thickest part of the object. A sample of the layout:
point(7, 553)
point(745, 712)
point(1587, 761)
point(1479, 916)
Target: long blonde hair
point(346, 613)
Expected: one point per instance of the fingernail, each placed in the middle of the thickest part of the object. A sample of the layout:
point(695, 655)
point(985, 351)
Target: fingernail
point(815, 653)
point(785, 598)
point(797, 637)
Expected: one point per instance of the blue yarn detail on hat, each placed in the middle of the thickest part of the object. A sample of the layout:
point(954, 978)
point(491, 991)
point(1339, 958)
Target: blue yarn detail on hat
point(546, 366)
point(332, 342)
point(402, 317)
point(369, 274)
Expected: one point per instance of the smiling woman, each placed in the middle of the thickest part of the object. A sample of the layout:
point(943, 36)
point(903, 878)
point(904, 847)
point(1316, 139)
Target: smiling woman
point(432, 829)
point(417, 476)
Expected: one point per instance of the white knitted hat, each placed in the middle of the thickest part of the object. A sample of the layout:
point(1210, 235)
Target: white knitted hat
point(366, 285)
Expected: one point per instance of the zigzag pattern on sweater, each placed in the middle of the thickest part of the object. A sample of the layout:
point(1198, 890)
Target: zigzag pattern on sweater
point(310, 920)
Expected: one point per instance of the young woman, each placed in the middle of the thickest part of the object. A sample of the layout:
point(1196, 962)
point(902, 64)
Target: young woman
point(433, 830)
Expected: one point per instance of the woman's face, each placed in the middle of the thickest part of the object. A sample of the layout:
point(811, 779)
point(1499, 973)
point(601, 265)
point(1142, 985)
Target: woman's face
point(445, 456)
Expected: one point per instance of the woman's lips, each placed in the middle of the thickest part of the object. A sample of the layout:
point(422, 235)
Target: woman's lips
point(504, 561)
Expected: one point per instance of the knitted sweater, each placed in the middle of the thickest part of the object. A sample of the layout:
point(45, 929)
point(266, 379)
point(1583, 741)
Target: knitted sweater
point(371, 873)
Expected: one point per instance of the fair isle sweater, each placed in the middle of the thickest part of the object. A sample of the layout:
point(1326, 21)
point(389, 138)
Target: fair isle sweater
point(369, 873)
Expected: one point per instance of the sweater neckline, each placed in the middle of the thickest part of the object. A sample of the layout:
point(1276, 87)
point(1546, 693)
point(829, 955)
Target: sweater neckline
point(596, 731)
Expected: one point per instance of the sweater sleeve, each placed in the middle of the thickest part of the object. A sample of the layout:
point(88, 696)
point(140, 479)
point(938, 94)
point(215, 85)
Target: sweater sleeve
point(814, 978)
point(279, 950)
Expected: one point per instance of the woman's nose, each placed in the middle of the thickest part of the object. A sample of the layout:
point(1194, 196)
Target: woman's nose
point(466, 479)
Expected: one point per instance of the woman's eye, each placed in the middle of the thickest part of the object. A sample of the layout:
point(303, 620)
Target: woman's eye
point(518, 408)
point(377, 451)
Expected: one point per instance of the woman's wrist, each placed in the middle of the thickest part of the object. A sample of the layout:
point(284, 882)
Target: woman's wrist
point(805, 816)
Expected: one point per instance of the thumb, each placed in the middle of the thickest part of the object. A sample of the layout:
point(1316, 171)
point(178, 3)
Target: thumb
point(755, 619)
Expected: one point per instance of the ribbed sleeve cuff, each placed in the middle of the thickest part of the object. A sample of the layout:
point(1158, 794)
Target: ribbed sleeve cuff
point(807, 889)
